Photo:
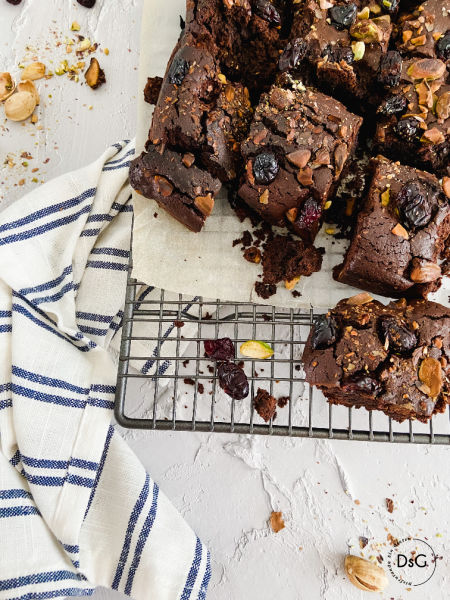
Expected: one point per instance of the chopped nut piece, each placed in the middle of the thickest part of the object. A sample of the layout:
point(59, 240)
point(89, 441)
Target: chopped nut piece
point(400, 231)
point(360, 299)
point(443, 106)
point(188, 159)
point(75, 26)
point(20, 106)
point(425, 273)
point(433, 136)
point(385, 198)
point(390, 505)
point(299, 158)
point(94, 76)
point(276, 521)
point(358, 49)
point(253, 255)
point(163, 186)
point(256, 349)
point(7, 86)
point(264, 198)
point(205, 204)
point(304, 176)
point(430, 373)
point(367, 31)
point(365, 575)
point(84, 45)
point(290, 285)
point(33, 71)
point(446, 186)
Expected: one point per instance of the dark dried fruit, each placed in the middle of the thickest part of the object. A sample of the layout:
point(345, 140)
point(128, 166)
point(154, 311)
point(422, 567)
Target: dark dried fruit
point(361, 383)
point(178, 70)
point(392, 105)
point(443, 46)
point(15, 2)
point(294, 52)
point(414, 208)
point(408, 129)
point(265, 167)
point(389, 6)
point(325, 332)
point(86, 3)
point(401, 339)
point(233, 380)
point(390, 70)
point(336, 54)
point(267, 11)
point(343, 16)
point(310, 213)
point(221, 349)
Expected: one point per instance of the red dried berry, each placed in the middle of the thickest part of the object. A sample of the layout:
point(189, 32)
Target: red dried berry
point(221, 349)
point(310, 213)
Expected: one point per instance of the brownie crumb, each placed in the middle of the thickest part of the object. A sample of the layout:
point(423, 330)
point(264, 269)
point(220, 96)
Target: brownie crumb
point(390, 505)
point(253, 255)
point(155, 215)
point(266, 317)
point(178, 324)
point(210, 369)
point(207, 317)
point(152, 89)
point(296, 294)
point(185, 363)
point(265, 405)
point(201, 388)
point(265, 291)
point(189, 381)
point(284, 259)
point(277, 521)
point(282, 402)
point(241, 364)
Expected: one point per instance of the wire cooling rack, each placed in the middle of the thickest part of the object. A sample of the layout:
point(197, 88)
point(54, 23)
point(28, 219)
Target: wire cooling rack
point(165, 382)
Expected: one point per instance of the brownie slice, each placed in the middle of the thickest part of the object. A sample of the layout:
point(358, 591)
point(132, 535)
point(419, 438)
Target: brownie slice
point(177, 184)
point(414, 120)
point(344, 44)
point(296, 150)
point(401, 232)
point(392, 358)
point(425, 30)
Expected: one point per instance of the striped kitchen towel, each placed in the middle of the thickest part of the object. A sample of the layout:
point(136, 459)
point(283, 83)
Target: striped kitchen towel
point(77, 509)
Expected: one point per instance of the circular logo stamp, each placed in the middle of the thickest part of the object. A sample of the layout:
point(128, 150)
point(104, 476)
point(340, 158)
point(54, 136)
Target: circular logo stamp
point(412, 562)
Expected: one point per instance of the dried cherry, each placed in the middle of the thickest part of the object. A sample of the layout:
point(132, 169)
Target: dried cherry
point(178, 70)
point(310, 213)
point(396, 103)
point(413, 205)
point(267, 11)
point(443, 46)
point(361, 383)
point(294, 52)
point(265, 167)
point(401, 339)
point(390, 70)
point(325, 332)
point(86, 3)
point(233, 380)
point(220, 349)
point(343, 16)
point(337, 53)
point(408, 129)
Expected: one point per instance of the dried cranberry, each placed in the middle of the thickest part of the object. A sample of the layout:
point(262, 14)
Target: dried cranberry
point(15, 2)
point(86, 3)
point(408, 129)
point(178, 70)
point(265, 167)
point(233, 380)
point(267, 11)
point(294, 52)
point(343, 16)
point(362, 383)
point(401, 339)
point(336, 54)
point(414, 208)
point(390, 70)
point(221, 349)
point(310, 213)
point(392, 105)
point(389, 6)
point(443, 46)
point(325, 332)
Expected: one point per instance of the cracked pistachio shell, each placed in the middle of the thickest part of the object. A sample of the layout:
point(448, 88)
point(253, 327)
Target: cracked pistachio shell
point(20, 106)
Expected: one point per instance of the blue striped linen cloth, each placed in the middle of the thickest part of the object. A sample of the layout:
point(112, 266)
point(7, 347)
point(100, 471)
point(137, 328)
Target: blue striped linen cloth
point(77, 509)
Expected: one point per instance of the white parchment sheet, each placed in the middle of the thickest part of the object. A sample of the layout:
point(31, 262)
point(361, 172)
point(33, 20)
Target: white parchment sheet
point(168, 256)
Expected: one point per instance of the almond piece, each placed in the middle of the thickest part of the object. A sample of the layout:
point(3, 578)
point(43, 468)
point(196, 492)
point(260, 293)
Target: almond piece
point(33, 71)
point(340, 157)
point(360, 299)
point(264, 198)
point(28, 86)
point(365, 575)
point(304, 176)
point(188, 160)
point(433, 136)
point(20, 106)
point(425, 273)
point(430, 373)
point(299, 158)
point(163, 186)
point(205, 204)
point(400, 231)
point(7, 86)
point(291, 214)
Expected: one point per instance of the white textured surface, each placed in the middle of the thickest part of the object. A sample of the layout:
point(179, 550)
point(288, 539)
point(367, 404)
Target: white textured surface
point(227, 486)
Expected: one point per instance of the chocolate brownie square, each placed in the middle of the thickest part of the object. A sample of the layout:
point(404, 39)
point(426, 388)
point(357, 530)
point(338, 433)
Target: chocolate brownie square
point(295, 153)
point(344, 44)
point(400, 235)
point(392, 358)
point(414, 120)
point(179, 186)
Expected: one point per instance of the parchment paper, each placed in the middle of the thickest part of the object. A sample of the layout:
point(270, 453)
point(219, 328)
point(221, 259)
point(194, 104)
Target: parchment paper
point(168, 256)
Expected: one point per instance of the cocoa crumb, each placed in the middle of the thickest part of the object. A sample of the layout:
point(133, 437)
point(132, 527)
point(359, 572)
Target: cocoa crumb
point(282, 402)
point(178, 324)
point(210, 369)
point(189, 381)
point(390, 505)
point(201, 388)
point(265, 291)
point(185, 363)
point(265, 405)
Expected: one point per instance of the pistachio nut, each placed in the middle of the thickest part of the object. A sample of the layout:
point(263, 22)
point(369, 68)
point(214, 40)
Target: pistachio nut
point(256, 349)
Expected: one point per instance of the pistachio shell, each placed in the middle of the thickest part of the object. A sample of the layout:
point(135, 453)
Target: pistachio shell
point(7, 86)
point(365, 575)
point(33, 71)
point(20, 106)
point(28, 86)
point(256, 349)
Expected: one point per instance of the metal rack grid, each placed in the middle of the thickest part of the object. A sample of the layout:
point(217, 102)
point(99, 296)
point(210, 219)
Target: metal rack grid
point(162, 344)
